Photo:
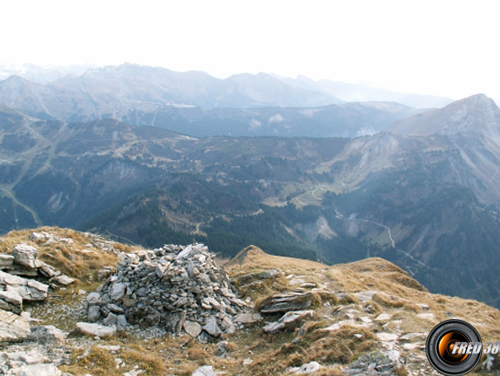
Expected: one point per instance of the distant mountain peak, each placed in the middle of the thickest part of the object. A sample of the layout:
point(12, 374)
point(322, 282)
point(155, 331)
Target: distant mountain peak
point(472, 115)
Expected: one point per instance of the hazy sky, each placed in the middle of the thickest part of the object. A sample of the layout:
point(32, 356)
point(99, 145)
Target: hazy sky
point(447, 48)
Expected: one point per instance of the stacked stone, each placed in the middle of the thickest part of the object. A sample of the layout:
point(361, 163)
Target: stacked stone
point(173, 287)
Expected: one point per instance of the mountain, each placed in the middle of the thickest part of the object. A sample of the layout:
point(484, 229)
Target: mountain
point(343, 120)
point(429, 186)
point(198, 104)
point(113, 91)
point(464, 135)
point(360, 93)
point(422, 200)
point(42, 74)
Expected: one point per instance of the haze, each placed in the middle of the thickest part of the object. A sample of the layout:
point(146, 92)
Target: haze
point(444, 48)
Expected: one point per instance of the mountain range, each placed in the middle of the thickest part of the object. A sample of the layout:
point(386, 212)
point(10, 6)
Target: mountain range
point(423, 193)
point(200, 105)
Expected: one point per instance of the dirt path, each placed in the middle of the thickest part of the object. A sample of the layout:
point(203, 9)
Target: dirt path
point(33, 213)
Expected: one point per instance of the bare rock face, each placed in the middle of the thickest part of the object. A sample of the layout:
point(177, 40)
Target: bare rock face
point(174, 287)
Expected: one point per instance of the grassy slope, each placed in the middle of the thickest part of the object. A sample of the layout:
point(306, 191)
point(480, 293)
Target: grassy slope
point(397, 294)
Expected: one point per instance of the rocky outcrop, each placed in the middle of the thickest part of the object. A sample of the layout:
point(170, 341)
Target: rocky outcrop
point(15, 290)
point(289, 320)
point(28, 289)
point(179, 288)
point(23, 262)
point(293, 301)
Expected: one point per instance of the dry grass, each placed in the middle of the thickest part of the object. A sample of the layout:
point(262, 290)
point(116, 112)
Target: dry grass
point(398, 294)
point(400, 371)
point(99, 361)
point(326, 347)
point(254, 257)
point(68, 258)
point(255, 287)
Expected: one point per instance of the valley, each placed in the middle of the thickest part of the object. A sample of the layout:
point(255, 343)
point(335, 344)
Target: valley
point(423, 193)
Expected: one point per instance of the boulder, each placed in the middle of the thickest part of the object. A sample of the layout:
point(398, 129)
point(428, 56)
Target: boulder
point(383, 317)
point(25, 255)
point(95, 330)
point(24, 271)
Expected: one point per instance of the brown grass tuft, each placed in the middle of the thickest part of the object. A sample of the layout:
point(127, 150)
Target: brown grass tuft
point(197, 354)
point(400, 371)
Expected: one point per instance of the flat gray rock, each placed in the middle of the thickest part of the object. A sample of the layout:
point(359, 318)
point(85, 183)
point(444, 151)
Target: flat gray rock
point(64, 280)
point(204, 371)
point(192, 328)
point(248, 318)
point(93, 298)
point(29, 289)
point(117, 291)
point(13, 328)
point(212, 328)
point(35, 370)
point(12, 297)
point(95, 329)
point(94, 313)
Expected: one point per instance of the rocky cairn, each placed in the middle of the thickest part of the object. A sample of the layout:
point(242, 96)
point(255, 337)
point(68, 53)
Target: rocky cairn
point(174, 287)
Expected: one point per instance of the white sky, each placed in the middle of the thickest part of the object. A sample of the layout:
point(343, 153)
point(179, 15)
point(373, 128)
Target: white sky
point(447, 48)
